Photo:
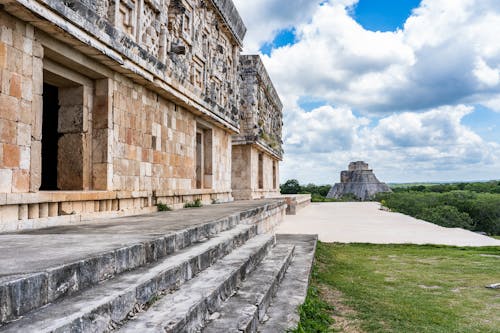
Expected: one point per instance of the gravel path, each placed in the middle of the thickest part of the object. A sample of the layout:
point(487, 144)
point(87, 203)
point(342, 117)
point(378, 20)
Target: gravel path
point(364, 222)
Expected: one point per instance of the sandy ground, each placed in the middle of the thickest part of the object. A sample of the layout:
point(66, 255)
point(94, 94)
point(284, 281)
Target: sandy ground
point(364, 222)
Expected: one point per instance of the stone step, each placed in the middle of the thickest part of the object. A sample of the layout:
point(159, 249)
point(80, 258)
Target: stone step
point(188, 309)
point(61, 277)
point(243, 311)
point(283, 315)
point(97, 309)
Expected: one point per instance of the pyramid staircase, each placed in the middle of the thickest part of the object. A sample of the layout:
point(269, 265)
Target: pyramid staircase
point(213, 269)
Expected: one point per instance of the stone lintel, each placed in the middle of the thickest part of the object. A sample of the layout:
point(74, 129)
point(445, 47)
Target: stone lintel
point(259, 144)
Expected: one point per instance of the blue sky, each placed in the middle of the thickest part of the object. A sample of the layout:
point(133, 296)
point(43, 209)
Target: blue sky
point(375, 15)
point(383, 81)
point(383, 15)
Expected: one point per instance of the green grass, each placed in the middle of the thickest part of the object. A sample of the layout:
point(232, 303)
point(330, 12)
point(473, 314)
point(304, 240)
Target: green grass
point(496, 237)
point(408, 288)
point(316, 313)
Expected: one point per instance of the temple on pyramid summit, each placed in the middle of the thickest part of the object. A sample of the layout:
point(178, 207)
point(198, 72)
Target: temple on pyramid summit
point(360, 181)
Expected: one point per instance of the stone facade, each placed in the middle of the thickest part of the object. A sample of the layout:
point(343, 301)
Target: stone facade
point(108, 107)
point(360, 181)
point(257, 149)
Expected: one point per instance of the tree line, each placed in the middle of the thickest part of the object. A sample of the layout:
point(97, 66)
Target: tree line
point(473, 206)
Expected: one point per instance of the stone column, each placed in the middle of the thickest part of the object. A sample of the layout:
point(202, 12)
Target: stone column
point(36, 120)
point(72, 148)
point(102, 136)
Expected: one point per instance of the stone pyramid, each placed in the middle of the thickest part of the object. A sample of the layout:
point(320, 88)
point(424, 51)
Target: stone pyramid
point(358, 180)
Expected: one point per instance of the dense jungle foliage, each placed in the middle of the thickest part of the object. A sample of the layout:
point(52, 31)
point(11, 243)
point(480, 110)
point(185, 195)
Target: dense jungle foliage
point(473, 206)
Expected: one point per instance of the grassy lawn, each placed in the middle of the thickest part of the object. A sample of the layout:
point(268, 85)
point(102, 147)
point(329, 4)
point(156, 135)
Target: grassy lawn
point(497, 237)
point(403, 288)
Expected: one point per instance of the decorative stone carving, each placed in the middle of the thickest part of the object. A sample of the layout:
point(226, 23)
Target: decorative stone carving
point(125, 18)
point(151, 28)
point(193, 43)
point(261, 109)
point(102, 7)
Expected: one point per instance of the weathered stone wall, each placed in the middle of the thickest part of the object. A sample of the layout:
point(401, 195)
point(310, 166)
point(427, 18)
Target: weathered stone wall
point(20, 102)
point(187, 48)
point(155, 143)
point(261, 109)
point(246, 181)
point(359, 165)
point(242, 172)
point(124, 145)
point(260, 134)
point(146, 96)
point(266, 185)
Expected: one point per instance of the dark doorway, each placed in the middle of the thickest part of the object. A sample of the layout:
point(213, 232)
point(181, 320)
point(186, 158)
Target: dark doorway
point(274, 175)
point(261, 171)
point(199, 160)
point(50, 137)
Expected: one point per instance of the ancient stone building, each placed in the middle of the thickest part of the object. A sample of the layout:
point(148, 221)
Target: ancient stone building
point(110, 106)
point(359, 181)
point(257, 148)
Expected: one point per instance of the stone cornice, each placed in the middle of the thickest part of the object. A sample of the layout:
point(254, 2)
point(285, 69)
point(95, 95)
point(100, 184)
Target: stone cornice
point(259, 144)
point(259, 70)
point(232, 18)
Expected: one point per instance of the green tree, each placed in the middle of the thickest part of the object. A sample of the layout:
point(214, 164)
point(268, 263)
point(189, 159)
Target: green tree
point(447, 216)
point(291, 186)
point(485, 211)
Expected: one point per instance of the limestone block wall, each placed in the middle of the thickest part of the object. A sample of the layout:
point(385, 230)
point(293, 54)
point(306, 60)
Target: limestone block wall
point(242, 172)
point(256, 179)
point(20, 105)
point(154, 142)
point(122, 145)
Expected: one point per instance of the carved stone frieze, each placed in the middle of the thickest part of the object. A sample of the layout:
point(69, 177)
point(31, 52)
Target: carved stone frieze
point(261, 108)
point(193, 43)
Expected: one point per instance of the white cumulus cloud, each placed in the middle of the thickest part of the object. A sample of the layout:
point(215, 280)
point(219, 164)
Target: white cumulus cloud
point(397, 99)
point(265, 18)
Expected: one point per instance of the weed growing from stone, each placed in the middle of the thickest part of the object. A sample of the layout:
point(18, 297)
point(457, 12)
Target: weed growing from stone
point(196, 204)
point(163, 207)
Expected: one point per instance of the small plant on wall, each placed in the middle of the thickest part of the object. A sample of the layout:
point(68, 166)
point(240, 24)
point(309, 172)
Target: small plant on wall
point(163, 207)
point(196, 204)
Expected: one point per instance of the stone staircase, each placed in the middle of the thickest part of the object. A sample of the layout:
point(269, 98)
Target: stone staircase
point(214, 269)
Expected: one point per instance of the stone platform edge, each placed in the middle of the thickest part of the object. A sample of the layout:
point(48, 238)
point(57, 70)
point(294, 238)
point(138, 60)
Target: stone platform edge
point(295, 202)
point(26, 211)
point(264, 218)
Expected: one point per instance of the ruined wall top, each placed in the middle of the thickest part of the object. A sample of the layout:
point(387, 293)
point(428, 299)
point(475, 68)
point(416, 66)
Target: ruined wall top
point(232, 17)
point(359, 165)
point(260, 106)
point(252, 65)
